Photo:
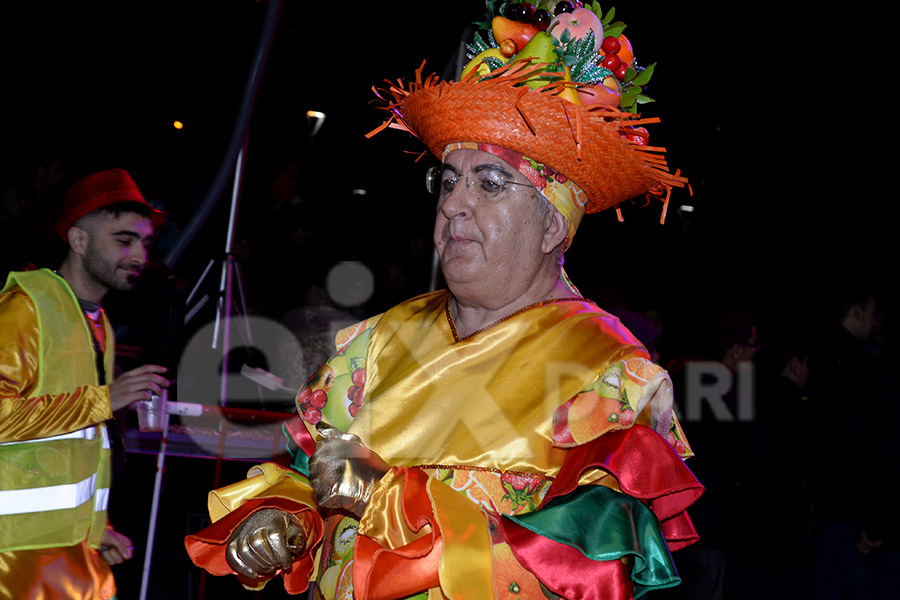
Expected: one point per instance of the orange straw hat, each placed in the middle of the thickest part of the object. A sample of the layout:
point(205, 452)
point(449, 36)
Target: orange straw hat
point(533, 108)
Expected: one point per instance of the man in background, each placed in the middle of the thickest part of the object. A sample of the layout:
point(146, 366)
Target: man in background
point(57, 390)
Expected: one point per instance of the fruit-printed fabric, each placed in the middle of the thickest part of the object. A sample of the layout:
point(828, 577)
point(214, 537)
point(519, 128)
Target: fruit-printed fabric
point(547, 435)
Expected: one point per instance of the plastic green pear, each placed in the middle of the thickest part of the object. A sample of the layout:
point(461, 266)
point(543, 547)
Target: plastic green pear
point(541, 49)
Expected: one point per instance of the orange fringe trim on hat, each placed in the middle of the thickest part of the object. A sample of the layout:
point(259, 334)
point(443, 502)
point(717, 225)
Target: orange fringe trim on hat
point(517, 74)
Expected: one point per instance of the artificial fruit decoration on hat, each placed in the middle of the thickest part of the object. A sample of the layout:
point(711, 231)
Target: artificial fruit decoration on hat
point(590, 55)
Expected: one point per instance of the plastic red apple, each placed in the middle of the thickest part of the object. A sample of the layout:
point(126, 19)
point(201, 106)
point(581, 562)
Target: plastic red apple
point(579, 22)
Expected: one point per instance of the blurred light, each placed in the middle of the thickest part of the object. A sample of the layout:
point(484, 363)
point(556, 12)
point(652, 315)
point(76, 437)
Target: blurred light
point(316, 118)
point(686, 208)
point(359, 192)
point(350, 283)
point(178, 125)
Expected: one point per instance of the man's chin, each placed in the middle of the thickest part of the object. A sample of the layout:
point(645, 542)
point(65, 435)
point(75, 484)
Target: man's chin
point(127, 282)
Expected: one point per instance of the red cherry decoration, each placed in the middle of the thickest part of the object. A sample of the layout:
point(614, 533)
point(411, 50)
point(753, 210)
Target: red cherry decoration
point(527, 12)
point(541, 19)
point(357, 396)
point(610, 45)
point(563, 7)
point(611, 62)
point(522, 12)
point(318, 399)
point(620, 72)
point(312, 415)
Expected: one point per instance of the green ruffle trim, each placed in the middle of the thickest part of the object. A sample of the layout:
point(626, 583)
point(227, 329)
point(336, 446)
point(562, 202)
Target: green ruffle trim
point(603, 525)
point(301, 460)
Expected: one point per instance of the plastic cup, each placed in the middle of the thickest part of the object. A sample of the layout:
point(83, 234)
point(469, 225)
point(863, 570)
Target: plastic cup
point(152, 413)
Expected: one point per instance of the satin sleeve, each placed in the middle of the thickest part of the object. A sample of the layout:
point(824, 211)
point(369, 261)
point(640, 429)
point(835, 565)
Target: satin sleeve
point(24, 416)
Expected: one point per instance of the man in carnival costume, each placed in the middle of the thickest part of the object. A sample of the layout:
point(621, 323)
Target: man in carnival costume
point(505, 437)
point(56, 392)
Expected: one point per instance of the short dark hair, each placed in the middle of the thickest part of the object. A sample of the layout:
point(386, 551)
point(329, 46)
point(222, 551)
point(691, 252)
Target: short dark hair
point(120, 208)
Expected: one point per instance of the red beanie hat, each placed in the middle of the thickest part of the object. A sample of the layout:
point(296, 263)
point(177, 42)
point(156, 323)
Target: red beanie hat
point(97, 190)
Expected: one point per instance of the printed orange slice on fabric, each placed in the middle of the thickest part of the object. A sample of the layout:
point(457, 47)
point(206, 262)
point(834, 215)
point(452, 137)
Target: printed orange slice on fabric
point(345, 583)
point(346, 335)
point(589, 416)
point(479, 486)
point(640, 370)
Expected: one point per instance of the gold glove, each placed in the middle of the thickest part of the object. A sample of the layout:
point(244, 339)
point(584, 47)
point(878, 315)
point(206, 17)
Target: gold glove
point(264, 542)
point(343, 472)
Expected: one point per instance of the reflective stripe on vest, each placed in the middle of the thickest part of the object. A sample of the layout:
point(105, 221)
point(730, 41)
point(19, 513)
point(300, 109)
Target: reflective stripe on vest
point(57, 497)
point(53, 497)
point(88, 433)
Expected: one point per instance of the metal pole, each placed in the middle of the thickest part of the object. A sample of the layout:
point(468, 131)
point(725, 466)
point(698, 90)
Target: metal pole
point(154, 506)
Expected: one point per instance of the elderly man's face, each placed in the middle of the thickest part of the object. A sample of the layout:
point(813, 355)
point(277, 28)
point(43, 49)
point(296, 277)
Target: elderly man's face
point(489, 242)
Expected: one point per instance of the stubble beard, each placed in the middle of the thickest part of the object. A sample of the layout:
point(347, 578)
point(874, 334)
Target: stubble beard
point(107, 274)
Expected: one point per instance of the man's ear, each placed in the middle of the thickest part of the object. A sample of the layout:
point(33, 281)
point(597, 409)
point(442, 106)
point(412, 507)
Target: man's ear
point(78, 240)
point(556, 228)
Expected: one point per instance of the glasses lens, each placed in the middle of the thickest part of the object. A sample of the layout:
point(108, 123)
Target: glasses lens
point(433, 179)
point(490, 183)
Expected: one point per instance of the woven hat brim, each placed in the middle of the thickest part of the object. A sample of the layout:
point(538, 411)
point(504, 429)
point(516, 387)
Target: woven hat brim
point(584, 143)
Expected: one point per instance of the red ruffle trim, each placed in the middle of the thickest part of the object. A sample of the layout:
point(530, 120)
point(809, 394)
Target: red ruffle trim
point(565, 569)
point(297, 429)
point(646, 468)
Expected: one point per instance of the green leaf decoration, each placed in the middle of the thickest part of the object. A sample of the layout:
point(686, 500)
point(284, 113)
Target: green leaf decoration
point(643, 78)
point(610, 15)
point(614, 30)
point(642, 99)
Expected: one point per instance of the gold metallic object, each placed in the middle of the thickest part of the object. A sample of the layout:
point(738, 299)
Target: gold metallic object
point(343, 471)
point(264, 542)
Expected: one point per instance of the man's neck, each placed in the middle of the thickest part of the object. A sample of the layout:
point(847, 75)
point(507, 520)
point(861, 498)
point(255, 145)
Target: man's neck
point(85, 289)
point(470, 317)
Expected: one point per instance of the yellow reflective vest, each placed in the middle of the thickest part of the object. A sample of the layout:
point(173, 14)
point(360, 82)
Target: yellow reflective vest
point(54, 490)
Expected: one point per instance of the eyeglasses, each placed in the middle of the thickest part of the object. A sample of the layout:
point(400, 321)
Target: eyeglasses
point(488, 182)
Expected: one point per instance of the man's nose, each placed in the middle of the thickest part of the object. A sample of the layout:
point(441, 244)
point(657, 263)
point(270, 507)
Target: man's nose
point(459, 202)
point(139, 254)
